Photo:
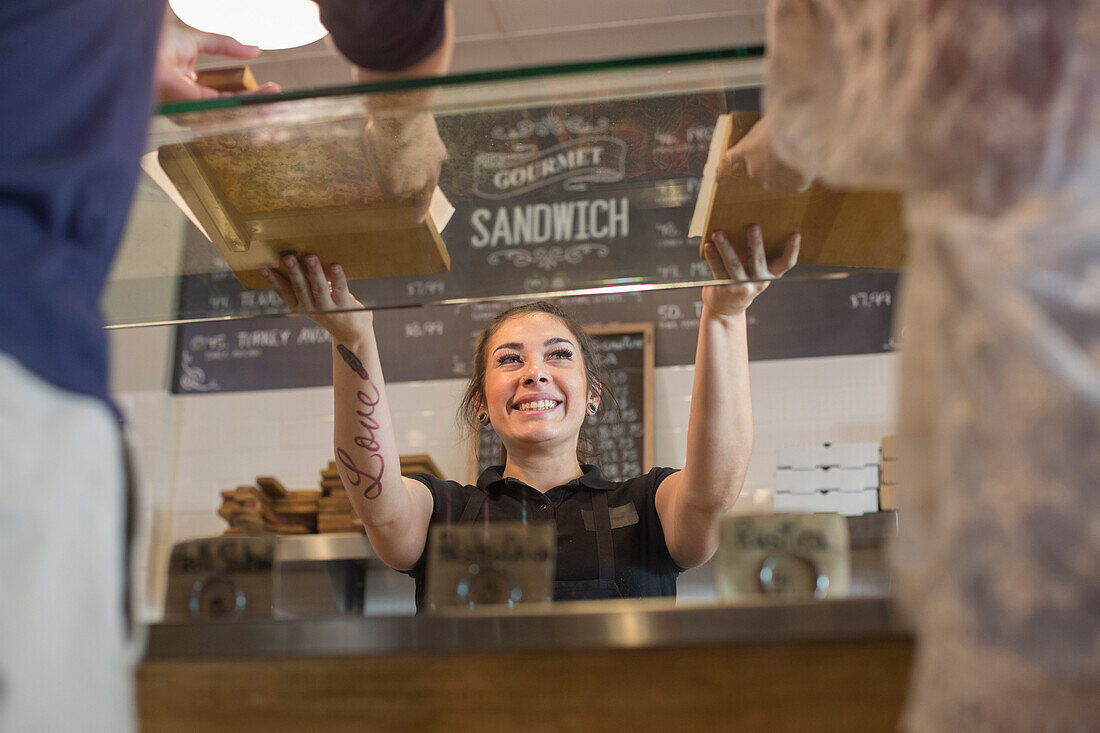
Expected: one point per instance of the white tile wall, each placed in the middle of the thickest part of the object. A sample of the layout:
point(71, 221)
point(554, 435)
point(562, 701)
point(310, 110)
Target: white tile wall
point(844, 399)
point(192, 447)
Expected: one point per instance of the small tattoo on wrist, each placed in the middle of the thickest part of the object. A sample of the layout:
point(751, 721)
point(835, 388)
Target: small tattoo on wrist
point(352, 361)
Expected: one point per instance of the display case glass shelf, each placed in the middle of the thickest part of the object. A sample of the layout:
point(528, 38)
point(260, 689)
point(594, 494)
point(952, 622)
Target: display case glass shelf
point(576, 179)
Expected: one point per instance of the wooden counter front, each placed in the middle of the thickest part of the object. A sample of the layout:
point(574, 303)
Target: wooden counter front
point(787, 686)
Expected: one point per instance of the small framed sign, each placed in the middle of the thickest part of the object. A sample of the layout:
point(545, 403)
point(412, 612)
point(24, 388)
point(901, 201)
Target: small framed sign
point(221, 578)
point(784, 555)
point(498, 564)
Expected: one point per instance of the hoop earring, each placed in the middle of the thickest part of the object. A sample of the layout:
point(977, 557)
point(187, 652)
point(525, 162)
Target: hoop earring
point(592, 408)
point(482, 418)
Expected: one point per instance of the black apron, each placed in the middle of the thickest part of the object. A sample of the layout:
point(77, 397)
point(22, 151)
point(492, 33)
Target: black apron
point(601, 588)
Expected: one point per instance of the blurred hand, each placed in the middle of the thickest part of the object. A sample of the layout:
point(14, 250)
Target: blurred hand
point(408, 156)
point(307, 289)
point(180, 46)
point(751, 268)
point(753, 153)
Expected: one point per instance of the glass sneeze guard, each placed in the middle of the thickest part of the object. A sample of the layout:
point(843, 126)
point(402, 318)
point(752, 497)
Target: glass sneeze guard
point(521, 184)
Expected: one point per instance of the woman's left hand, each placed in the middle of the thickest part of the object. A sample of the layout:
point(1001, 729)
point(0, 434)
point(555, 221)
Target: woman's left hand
point(751, 269)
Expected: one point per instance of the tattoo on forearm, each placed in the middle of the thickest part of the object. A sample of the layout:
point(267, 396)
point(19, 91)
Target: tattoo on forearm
point(352, 361)
point(371, 481)
point(368, 479)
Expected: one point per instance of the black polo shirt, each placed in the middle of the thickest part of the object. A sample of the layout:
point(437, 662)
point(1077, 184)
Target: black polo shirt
point(643, 565)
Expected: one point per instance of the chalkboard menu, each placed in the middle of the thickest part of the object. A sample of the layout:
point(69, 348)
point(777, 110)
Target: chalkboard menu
point(622, 429)
point(790, 320)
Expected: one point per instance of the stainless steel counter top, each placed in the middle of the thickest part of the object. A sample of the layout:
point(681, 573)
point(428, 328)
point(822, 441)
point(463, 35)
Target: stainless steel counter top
point(323, 547)
point(581, 625)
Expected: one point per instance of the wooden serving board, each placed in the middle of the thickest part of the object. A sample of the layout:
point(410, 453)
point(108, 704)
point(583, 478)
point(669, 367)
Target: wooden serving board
point(839, 228)
point(227, 79)
point(312, 189)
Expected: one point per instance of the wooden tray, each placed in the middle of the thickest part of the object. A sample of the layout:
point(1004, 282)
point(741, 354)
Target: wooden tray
point(841, 228)
point(261, 193)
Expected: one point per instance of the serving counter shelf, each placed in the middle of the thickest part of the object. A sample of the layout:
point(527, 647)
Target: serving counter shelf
point(629, 624)
point(838, 665)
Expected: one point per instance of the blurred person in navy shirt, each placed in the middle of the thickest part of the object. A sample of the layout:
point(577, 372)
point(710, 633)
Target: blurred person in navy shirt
point(81, 78)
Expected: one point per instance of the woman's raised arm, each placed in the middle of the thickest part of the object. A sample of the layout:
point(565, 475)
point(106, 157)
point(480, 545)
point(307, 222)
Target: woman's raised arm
point(394, 510)
point(719, 438)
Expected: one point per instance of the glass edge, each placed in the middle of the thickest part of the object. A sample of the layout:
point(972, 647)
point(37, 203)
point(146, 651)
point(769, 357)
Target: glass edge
point(473, 77)
point(607, 289)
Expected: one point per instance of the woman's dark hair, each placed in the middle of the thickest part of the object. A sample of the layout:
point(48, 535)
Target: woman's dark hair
point(475, 388)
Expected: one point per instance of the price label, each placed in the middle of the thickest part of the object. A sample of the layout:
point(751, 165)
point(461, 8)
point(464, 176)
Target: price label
point(669, 312)
point(668, 273)
point(871, 299)
point(700, 270)
point(425, 288)
point(667, 229)
point(420, 329)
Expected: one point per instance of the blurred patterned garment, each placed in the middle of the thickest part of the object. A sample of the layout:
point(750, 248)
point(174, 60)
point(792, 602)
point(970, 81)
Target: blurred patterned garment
point(986, 114)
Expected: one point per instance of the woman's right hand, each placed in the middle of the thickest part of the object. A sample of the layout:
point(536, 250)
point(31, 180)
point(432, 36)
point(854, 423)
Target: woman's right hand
point(306, 288)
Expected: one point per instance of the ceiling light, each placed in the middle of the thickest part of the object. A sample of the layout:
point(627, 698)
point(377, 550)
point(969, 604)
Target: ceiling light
point(269, 24)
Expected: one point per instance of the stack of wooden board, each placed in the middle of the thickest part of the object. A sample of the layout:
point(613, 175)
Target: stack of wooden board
point(839, 228)
point(319, 188)
point(419, 463)
point(334, 511)
point(269, 508)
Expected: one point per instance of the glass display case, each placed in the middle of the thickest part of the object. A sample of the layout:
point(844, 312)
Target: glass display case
point(446, 200)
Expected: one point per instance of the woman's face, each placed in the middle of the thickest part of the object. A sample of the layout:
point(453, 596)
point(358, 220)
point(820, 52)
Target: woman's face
point(535, 383)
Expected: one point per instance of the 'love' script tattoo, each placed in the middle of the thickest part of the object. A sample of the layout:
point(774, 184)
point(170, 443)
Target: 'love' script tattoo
point(369, 477)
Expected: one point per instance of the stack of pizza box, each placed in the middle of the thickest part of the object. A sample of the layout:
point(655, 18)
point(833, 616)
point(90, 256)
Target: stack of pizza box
point(828, 477)
point(888, 485)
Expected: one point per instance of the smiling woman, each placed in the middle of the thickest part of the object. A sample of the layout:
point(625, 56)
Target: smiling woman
point(535, 381)
point(566, 350)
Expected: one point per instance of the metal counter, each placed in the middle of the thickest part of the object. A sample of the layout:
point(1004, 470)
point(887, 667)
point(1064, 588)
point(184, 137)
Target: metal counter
point(632, 624)
point(386, 625)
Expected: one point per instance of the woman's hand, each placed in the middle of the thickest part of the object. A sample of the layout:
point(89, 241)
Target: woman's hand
point(751, 268)
point(302, 283)
point(407, 157)
point(180, 46)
